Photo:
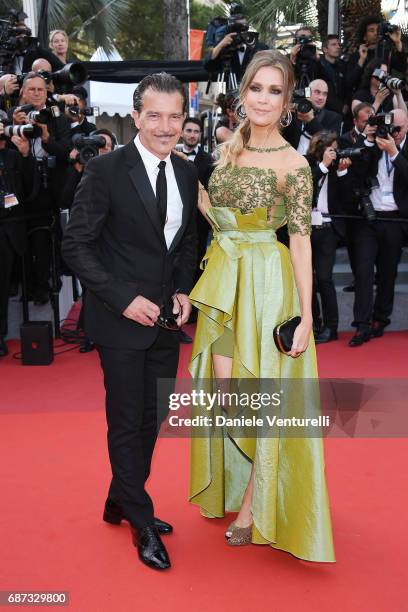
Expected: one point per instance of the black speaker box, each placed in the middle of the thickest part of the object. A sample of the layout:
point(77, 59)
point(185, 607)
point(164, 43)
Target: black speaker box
point(37, 346)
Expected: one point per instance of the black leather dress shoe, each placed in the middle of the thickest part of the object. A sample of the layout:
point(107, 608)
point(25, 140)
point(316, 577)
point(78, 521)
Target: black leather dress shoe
point(377, 329)
point(325, 335)
point(87, 346)
point(113, 514)
point(359, 338)
point(3, 347)
point(151, 549)
point(41, 297)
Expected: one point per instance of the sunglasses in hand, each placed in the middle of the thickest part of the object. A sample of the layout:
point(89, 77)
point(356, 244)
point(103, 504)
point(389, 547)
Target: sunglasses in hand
point(167, 319)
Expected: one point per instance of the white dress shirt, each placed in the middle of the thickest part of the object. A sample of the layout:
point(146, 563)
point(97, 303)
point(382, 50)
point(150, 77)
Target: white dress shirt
point(174, 202)
point(322, 204)
point(382, 197)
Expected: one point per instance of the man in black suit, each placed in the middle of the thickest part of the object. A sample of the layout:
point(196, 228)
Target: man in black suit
point(304, 125)
point(379, 243)
point(131, 240)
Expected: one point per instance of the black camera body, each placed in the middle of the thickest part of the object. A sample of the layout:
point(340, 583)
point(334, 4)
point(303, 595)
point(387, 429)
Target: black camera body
point(75, 111)
point(70, 75)
point(87, 146)
point(15, 39)
point(351, 152)
point(45, 115)
point(300, 100)
point(384, 124)
point(28, 131)
point(307, 50)
point(387, 28)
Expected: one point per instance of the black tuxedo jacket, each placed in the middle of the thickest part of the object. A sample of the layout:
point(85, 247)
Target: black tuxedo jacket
point(115, 244)
point(216, 65)
point(400, 184)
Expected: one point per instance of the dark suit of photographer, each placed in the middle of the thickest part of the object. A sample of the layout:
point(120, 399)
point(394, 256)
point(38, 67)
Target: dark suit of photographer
point(238, 59)
point(329, 184)
point(379, 243)
point(51, 150)
point(305, 59)
point(17, 170)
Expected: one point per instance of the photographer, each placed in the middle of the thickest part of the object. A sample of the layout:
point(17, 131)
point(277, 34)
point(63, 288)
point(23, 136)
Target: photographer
point(329, 169)
point(311, 116)
point(379, 242)
point(377, 39)
point(51, 150)
point(17, 171)
point(378, 89)
point(341, 82)
point(230, 46)
point(305, 58)
point(76, 113)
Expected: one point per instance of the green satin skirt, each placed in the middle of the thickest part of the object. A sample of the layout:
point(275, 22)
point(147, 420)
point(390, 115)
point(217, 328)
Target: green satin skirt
point(247, 288)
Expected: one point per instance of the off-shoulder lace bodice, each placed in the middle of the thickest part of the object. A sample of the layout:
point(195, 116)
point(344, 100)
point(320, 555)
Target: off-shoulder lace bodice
point(287, 195)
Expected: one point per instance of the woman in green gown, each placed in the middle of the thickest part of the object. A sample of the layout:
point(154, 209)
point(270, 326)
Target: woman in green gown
point(250, 284)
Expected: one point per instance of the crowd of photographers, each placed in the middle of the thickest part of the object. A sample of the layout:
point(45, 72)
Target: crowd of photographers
point(349, 118)
point(46, 138)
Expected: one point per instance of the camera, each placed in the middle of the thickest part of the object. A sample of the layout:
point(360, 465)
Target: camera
point(387, 28)
point(15, 37)
point(92, 111)
point(384, 124)
point(362, 193)
point(87, 146)
point(392, 83)
point(45, 115)
point(307, 50)
point(300, 100)
point(70, 75)
point(350, 152)
point(28, 130)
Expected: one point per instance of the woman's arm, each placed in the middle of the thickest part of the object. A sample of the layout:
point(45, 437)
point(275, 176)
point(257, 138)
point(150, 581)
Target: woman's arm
point(301, 256)
point(204, 202)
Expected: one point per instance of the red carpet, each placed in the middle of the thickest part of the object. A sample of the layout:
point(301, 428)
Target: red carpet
point(54, 474)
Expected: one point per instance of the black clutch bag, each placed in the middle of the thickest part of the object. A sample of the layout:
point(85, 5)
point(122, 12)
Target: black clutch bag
point(284, 332)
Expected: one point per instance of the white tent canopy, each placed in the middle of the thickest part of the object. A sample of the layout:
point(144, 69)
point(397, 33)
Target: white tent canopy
point(111, 98)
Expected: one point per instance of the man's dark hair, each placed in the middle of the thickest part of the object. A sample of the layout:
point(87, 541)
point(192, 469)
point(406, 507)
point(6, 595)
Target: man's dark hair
point(361, 107)
point(303, 27)
point(33, 75)
point(328, 38)
point(192, 120)
point(160, 82)
point(363, 25)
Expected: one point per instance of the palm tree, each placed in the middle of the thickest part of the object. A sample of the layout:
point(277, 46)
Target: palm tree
point(175, 39)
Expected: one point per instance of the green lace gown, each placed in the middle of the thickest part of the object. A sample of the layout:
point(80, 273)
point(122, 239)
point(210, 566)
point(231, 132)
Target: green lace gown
point(247, 288)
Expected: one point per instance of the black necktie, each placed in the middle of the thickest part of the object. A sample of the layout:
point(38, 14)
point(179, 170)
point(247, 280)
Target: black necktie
point(161, 192)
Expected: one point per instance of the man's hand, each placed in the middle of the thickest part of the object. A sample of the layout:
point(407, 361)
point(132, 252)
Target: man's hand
point(224, 42)
point(370, 131)
point(329, 156)
point(387, 144)
point(344, 163)
point(45, 133)
point(362, 51)
point(294, 52)
point(22, 145)
point(306, 117)
point(69, 99)
point(19, 118)
point(185, 307)
point(73, 155)
point(8, 82)
point(142, 311)
point(380, 96)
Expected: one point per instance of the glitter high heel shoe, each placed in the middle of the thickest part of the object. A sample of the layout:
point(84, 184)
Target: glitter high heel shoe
point(240, 536)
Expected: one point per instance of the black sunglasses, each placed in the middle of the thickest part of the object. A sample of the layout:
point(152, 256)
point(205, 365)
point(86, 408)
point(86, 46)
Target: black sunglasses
point(167, 319)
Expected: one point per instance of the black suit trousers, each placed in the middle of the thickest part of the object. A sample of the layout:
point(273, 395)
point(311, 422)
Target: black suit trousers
point(375, 244)
point(324, 245)
point(7, 258)
point(133, 417)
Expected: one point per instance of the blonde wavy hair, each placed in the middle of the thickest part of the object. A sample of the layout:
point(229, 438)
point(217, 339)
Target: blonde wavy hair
point(54, 33)
point(229, 151)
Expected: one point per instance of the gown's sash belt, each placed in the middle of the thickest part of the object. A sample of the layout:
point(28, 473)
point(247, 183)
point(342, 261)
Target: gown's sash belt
point(229, 241)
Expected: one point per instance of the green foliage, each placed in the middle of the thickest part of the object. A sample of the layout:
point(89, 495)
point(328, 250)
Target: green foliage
point(202, 14)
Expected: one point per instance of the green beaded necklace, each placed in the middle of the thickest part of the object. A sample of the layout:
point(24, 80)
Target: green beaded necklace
point(268, 149)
